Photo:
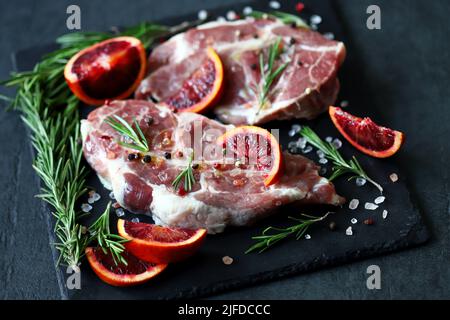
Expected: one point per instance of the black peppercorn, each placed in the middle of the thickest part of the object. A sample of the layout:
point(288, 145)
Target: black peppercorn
point(253, 66)
point(147, 159)
point(292, 41)
point(300, 63)
point(167, 155)
point(149, 121)
point(132, 156)
point(195, 166)
point(332, 226)
point(255, 36)
point(294, 25)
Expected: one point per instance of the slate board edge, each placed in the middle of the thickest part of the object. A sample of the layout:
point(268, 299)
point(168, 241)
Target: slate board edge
point(417, 235)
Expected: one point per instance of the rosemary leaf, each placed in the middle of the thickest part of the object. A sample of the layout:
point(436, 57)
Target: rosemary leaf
point(187, 175)
point(340, 165)
point(139, 142)
point(110, 243)
point(272, 235)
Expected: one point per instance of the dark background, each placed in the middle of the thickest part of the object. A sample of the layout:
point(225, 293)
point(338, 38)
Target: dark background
point(409, 60)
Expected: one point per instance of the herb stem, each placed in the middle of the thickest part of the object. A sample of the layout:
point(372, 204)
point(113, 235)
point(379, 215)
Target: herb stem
point(272, 235)
point(110, 243)
point(341, 166)
point(268, 74)
point(187, 175)
point(139, 142)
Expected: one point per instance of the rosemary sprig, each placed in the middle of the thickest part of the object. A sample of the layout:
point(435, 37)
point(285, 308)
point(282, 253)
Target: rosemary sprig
point(187, 175)
point(139, 142)
point(341, 166)
point(284, 17)
point(51, 112)
point(271, 235)
point(268, 74)
point(110, 243)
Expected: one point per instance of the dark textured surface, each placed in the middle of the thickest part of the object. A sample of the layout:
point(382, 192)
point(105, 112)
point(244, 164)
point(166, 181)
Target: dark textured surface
point(403, 81)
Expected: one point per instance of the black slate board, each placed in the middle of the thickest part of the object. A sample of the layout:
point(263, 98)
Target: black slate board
point(206, 274)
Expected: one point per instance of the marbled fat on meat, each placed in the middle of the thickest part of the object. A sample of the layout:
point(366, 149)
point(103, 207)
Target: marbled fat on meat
point(216, 201)
point(306, 88)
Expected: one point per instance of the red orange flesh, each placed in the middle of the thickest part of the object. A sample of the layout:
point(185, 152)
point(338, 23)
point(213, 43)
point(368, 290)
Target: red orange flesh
point(366, 135)
point(120, 275)
point(202, 89)
point(159, 244)
point(109, 70)
point(264, 146)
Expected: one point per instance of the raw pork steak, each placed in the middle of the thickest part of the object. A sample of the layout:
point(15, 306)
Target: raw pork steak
point(221, 196)
point(306, 88)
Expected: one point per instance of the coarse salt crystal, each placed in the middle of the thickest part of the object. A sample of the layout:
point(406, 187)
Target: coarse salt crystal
point(274, 5)
point(91, 193)
point(385, 214)
point(394, 177)
point(360, 181)
point(344, 104)
point(349, 231)
point(354, 221)
point(296, 127)
point(96, 196)
point(320, 154)
point(292, 144)
point(292, 133)
point(308, 149)
point(91, 200)
point(85, 207)
point(353, 205)
point(316, 19)
point(135, 220)
point(247, 10)
point(301, 143)
point(329, 36)
point(112, 196)
point(308, 91)
point(120, 212)
point(329, 139)
point(308, 237)
point(337, 143)
point(227, 260)
point(370, 206)
point(231, 15)
point(323, 171)
point(380, 200)
point(202, 14)
point(221, 19)
point(323, 160)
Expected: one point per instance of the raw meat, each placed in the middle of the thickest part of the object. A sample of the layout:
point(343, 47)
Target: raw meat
point(223, 196)
point(306, 88)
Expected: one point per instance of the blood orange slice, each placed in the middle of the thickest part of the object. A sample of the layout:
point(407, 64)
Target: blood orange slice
point(135, 272)
point(202, 89)
point(158, 244)
point(109, 70)
point(366, 135)
point(255, 147)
